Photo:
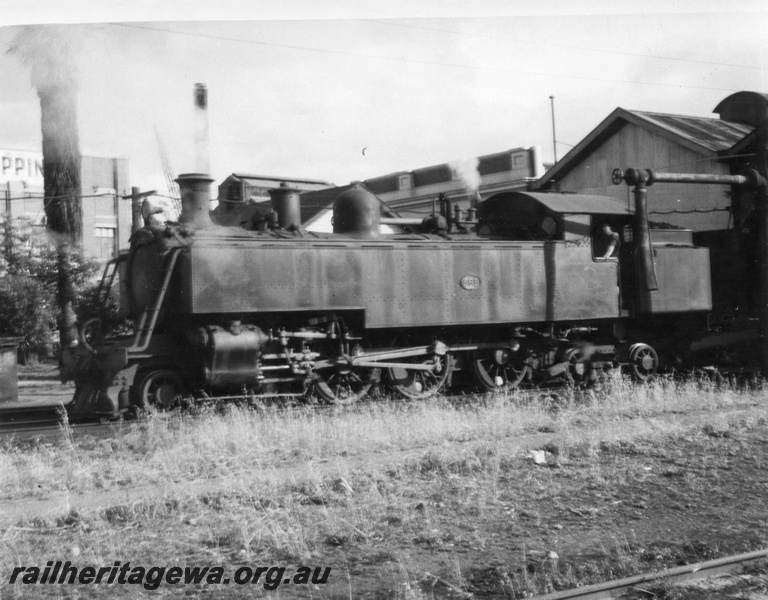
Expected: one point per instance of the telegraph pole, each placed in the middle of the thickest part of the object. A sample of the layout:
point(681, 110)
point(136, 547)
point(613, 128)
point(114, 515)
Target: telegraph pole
point(554, 135)
point(136, 198)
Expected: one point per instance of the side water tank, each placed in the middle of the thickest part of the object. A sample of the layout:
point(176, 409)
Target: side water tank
point(357, 212)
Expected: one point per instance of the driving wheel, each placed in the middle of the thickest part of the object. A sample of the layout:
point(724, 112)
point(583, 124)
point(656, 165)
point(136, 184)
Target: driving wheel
point(421, 382)
point(498, 370)
point(341, 383)
point(157, 390)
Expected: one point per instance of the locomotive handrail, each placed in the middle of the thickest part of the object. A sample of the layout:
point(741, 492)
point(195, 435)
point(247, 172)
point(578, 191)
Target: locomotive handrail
point(83, 334)
point(146, 328)
point(108, 278)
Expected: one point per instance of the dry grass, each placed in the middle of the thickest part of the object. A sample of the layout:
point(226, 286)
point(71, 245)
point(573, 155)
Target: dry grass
point(418, 500)
point(238, 441)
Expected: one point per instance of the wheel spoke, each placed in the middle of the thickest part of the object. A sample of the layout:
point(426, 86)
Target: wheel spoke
point(498, 370)
point(340, 383)
point(644, 362)
point(421, 383)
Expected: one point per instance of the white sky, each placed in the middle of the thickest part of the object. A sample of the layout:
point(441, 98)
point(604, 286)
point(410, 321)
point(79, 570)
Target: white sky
point(300, 89)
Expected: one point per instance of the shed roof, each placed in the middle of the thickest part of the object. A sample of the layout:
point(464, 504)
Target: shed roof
point(713, 134)
point(707, 136)
point(273, 180)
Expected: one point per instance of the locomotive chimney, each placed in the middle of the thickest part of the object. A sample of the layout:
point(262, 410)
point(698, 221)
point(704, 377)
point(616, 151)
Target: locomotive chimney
point(202, 159)
point(195, 197)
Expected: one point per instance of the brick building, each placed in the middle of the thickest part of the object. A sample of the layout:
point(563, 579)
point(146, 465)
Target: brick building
point(106, 216)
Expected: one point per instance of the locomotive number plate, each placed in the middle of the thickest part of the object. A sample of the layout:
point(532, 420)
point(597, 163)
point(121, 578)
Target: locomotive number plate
point(470, 282)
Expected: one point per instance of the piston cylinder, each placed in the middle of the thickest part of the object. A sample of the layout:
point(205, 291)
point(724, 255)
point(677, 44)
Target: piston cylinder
point(231, 356)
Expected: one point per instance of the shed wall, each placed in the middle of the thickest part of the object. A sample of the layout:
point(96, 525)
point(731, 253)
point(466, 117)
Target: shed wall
point(633, 146)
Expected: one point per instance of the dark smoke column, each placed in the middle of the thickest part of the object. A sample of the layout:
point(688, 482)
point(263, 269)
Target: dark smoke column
point(49, 54)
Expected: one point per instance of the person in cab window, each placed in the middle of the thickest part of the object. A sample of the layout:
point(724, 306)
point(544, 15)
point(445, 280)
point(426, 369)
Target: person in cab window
point(607, 242)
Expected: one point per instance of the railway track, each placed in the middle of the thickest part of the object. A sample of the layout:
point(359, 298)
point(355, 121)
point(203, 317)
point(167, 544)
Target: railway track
point(702, 570)
point(20, 417)
point(27, 420)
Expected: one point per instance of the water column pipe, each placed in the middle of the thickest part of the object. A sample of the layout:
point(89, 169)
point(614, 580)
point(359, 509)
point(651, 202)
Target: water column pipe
point(642, 231)
point(752, 180)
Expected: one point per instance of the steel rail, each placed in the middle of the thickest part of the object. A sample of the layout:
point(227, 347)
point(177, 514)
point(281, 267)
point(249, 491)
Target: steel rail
point(48, 414)
point(702, 570)
point(51, 425)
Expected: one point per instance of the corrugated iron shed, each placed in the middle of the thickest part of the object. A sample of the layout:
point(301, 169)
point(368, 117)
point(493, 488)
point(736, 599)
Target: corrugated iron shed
point(712, 134)
point(706, 136)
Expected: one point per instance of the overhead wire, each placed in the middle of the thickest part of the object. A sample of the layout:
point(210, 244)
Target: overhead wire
point(33, 196)
point(543, 42)
point(415, 60)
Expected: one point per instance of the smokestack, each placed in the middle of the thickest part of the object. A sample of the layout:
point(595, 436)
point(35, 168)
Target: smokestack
point(195, 198)
point(202, 158)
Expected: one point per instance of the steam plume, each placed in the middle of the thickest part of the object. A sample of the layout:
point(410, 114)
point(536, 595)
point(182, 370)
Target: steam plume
point(467, 171)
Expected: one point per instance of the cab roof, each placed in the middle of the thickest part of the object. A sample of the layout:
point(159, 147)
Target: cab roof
point(584, 204)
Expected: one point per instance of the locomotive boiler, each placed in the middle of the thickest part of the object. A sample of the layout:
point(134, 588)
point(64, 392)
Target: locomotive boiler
point(516, 291)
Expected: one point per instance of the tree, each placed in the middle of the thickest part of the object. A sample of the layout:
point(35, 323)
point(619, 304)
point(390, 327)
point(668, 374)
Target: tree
point(29, 282)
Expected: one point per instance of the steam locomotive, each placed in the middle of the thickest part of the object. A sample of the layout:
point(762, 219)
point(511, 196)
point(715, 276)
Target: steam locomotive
point(512, 291)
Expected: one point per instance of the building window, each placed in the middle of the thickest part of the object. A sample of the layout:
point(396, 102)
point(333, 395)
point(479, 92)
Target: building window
point(105, 242)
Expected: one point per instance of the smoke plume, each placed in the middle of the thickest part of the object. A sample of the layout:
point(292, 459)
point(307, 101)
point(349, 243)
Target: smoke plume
point(49, 53)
